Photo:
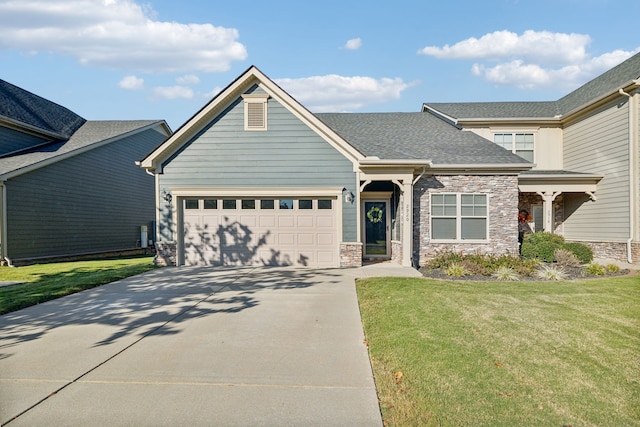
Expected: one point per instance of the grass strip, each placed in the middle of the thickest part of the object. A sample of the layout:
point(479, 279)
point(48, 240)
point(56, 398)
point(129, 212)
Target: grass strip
point(452, 353)
point(44, 282)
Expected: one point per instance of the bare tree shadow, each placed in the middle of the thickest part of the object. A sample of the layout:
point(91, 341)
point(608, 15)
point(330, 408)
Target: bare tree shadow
point(158, 302)
point(232, 244)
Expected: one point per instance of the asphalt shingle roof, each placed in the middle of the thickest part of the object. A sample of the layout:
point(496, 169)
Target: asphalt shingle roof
point(25, 107)
point(407, 136)
point(89, 133)
point(602, 85)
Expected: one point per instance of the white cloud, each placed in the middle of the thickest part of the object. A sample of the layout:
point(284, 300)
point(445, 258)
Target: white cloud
point(537, 46)
point(173, 92)
point(117, 34)
point(333, 93)
point(131, 83)
point(532, 76)
point(353, 44)
point(534, 60)
point(209, 95)
point(188, 80)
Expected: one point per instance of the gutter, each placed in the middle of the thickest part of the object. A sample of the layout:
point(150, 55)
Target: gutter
point(3, 223)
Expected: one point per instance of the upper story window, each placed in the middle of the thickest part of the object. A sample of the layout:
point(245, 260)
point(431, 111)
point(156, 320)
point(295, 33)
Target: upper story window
point(255, 111)
point(518, 143)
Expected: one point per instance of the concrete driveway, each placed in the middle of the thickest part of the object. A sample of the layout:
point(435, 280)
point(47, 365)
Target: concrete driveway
point(193, 346)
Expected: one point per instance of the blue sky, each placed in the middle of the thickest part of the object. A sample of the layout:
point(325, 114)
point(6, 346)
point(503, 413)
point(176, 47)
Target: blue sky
point(165, 59)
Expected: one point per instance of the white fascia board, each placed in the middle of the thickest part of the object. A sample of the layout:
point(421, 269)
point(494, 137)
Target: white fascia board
point(482, 169)
point(382, 163)
point(228, 95)
point(563, 187)
point(310, 119)
point(446, 117)
point(194, 124)
point(257, 192)
point(35, 166)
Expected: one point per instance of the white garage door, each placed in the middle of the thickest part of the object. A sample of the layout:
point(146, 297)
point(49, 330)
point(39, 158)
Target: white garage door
point(296, 231)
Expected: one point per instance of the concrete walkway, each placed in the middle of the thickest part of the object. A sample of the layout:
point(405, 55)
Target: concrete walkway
point(194, 346)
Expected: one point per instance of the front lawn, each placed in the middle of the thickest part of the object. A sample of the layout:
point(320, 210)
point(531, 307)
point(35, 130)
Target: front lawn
point(44, 282)
point(455, 353)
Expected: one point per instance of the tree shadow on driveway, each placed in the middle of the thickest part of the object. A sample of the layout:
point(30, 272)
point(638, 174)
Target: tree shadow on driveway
point(156, 302)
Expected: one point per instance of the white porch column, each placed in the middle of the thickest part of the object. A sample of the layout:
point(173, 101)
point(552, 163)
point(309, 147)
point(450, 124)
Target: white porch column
point(547, 206)
point(407, 222)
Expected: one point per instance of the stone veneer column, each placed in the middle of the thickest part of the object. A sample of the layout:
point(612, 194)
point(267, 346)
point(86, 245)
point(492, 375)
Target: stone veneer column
point(351, 254)
point(165, 254)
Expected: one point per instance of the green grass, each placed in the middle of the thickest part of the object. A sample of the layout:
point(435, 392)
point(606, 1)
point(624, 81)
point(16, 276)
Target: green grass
point(44, 282)
point(452, 353)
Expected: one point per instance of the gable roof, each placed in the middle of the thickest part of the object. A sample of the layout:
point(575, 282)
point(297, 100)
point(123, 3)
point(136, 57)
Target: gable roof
point(392, 136)
point(251, 77)
point(29, 111)
point(619, 77)
point(90, 135)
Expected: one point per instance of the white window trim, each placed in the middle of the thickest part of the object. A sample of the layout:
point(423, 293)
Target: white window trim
point(259, 98)
point(458, 238)
point(513, 139)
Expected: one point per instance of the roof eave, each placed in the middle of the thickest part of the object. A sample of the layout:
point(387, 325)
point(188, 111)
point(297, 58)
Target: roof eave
point(46, 162)
point(603, 99)
point(482, 169)
point(27, 128)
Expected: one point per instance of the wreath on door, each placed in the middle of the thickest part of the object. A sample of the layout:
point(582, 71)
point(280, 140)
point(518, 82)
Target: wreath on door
point(375, 214)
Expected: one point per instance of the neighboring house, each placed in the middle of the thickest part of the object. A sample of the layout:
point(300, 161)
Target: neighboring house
point(254, 178)
point(70, 187)
point(586, 182)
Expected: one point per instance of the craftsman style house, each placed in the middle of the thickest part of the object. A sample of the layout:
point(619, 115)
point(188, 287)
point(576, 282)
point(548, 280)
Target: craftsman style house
point(586, 181)
point(254, 178)
point(70, 187)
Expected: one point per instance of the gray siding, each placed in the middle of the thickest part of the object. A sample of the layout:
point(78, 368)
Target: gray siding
point(12, 140)
point(600, 144)
point(93, 202)
point(288, 154)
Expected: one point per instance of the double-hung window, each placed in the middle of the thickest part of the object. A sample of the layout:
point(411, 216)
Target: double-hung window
point(518, 143)
point(459, 216)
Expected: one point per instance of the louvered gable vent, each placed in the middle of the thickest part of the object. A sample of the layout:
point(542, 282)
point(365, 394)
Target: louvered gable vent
point(255, 111)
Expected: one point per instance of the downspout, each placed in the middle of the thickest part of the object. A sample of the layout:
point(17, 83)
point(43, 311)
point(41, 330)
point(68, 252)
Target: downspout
point(3, 224)
point(633, 142)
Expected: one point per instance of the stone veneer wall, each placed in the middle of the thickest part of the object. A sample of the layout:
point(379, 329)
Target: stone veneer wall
point(396, 251)
point(351, 254)
point(165, 254)
point(614, 250)
point(503, 214)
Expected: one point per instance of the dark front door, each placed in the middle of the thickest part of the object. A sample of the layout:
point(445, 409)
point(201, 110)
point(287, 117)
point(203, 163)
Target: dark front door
point(376, 237)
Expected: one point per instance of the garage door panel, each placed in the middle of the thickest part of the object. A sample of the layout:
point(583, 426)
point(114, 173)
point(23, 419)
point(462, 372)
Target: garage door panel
point(325, 221)
point(305, 221)
point(325, 239)
point(249, 220)
point(286, 221)
point(286, 239)
point(267, 221)
point(260, 237)
point(305, 239)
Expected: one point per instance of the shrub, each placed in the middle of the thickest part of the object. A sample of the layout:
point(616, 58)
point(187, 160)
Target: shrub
point(594, 269)
point(541, 246)
point(506, 274)
point(456, 270)
point(612, 268)
point(583, 252)
point(551, 273)
point(566, 258)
